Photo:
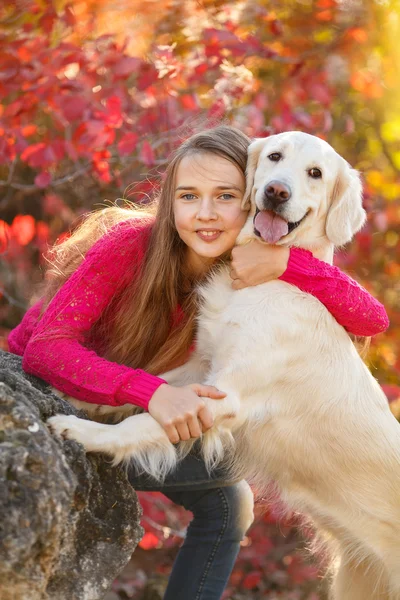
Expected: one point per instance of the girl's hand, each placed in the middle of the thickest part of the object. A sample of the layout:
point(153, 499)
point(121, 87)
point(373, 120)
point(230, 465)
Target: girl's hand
point(257, 263)
point(181, 411)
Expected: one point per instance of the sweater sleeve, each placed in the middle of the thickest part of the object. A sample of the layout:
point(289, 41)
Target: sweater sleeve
point(349, 303)
point(19, 337)
point(56, 350)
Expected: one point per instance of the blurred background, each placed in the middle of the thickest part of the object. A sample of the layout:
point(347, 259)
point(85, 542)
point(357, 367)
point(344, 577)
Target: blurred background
point(94, 95)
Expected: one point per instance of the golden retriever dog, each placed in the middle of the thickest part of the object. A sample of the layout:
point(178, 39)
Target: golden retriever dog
point(302, 409)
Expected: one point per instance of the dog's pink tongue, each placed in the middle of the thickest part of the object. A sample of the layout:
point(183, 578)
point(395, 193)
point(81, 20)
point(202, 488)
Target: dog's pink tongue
point(270, 226)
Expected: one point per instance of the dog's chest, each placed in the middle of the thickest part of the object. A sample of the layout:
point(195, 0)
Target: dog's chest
point(213, 319)
point(267, 313)
point(226, 313)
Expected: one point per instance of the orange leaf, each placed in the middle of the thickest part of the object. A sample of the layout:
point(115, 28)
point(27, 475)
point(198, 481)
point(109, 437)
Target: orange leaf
point(24, 54)
point(326, 3)
point(28, 130)
point(325, 15)
point(367, 84)
point(358, 34)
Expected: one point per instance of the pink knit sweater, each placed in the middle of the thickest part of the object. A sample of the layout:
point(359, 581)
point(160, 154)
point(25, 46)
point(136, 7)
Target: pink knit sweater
point(63, 349)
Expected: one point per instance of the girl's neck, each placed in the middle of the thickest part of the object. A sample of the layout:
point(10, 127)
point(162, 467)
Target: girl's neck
point(197, 266)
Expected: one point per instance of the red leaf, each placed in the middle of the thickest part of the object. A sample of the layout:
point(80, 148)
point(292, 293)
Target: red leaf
point(38, 155)
point(114, 112)
point(58, 149)
point(300, 572)
point(189, 102)
point(276, 27)
point(42, 231)
point(43, 179)
point(93, 135)
point(201, 69)
point(148, 76)
point(15, 108)
point(127, 144)
point(251, 580)
point(392, 392)
point(126, 66)
point(320, 93)
point(217, 110)
point(47, 21)
point(23, 229)
point(9, 66)
point(149, 541)
point(4, 235)
point(53, 204)
point(147, 154)
point(72, 106)
point(69, 16)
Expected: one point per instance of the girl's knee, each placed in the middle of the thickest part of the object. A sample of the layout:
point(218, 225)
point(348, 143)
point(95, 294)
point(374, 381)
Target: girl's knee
point(227, 510)
point(241, 502)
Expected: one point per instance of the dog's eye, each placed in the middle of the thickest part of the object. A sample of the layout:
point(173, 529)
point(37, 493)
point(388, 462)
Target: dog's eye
point(275, 156)
point(315, 173)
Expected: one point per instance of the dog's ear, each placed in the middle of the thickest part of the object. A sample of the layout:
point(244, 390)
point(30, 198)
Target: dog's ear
point(346, 215)
point(252, 160)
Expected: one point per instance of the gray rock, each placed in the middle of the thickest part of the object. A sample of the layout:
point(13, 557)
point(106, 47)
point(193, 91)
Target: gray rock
point(69, 523)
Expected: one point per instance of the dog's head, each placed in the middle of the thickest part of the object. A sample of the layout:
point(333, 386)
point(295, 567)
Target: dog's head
point(301, 192)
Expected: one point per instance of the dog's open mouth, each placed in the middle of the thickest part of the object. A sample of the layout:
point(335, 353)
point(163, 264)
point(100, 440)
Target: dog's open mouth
point(271, 227)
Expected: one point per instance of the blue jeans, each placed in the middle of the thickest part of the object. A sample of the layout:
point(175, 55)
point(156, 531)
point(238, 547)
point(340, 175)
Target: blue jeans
point(222, 513)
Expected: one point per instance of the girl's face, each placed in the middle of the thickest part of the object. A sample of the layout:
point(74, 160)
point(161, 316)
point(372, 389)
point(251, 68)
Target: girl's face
point(207, 208)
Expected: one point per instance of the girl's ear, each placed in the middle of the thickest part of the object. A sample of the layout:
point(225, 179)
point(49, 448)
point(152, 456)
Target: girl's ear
point(346, 214)
point(254, 152)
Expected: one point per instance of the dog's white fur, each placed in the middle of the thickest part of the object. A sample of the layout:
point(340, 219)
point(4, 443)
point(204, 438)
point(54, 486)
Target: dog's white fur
point(302, 409)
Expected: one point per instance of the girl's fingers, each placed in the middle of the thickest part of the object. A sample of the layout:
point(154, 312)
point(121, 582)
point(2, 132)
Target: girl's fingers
point(209, 391)
point(172, 434)
point(206, 418)
point(183, 431)
point(194, 425)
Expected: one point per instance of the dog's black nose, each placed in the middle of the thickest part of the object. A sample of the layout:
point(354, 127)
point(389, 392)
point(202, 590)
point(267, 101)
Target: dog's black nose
point(277, 192)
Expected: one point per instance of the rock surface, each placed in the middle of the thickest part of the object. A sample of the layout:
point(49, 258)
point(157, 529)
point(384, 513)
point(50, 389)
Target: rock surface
point(68, 522)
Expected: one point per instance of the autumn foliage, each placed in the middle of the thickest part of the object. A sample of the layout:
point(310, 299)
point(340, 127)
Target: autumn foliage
point(94, 96)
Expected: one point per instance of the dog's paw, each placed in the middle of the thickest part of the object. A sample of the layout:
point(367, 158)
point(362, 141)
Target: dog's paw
point(70, 427)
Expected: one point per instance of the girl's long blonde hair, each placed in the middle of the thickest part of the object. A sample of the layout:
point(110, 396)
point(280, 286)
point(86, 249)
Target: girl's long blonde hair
point(138, 332)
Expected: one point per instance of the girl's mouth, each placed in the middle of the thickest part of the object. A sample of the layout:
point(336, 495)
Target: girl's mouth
point(208, 235)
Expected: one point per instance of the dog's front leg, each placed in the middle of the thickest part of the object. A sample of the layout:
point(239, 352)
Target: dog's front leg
point(192, 371)
point(218, 443)
point(139, 438)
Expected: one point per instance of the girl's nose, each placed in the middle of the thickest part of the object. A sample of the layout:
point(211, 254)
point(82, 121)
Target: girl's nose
point(206, 210)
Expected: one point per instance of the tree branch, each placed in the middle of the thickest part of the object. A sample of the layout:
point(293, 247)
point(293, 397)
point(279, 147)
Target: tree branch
point(12, 300)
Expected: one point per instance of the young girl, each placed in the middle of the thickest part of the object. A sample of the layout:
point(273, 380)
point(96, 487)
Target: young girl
point(120, 310)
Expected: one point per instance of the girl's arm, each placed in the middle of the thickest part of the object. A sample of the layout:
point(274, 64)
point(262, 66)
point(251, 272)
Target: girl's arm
point(56, 351)
point(351, 305)
point(19, 337)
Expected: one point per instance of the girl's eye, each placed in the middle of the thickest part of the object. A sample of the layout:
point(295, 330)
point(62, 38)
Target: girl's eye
point(275, 156)
point(188, 196)
point(315, 173)
point(226, 196)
